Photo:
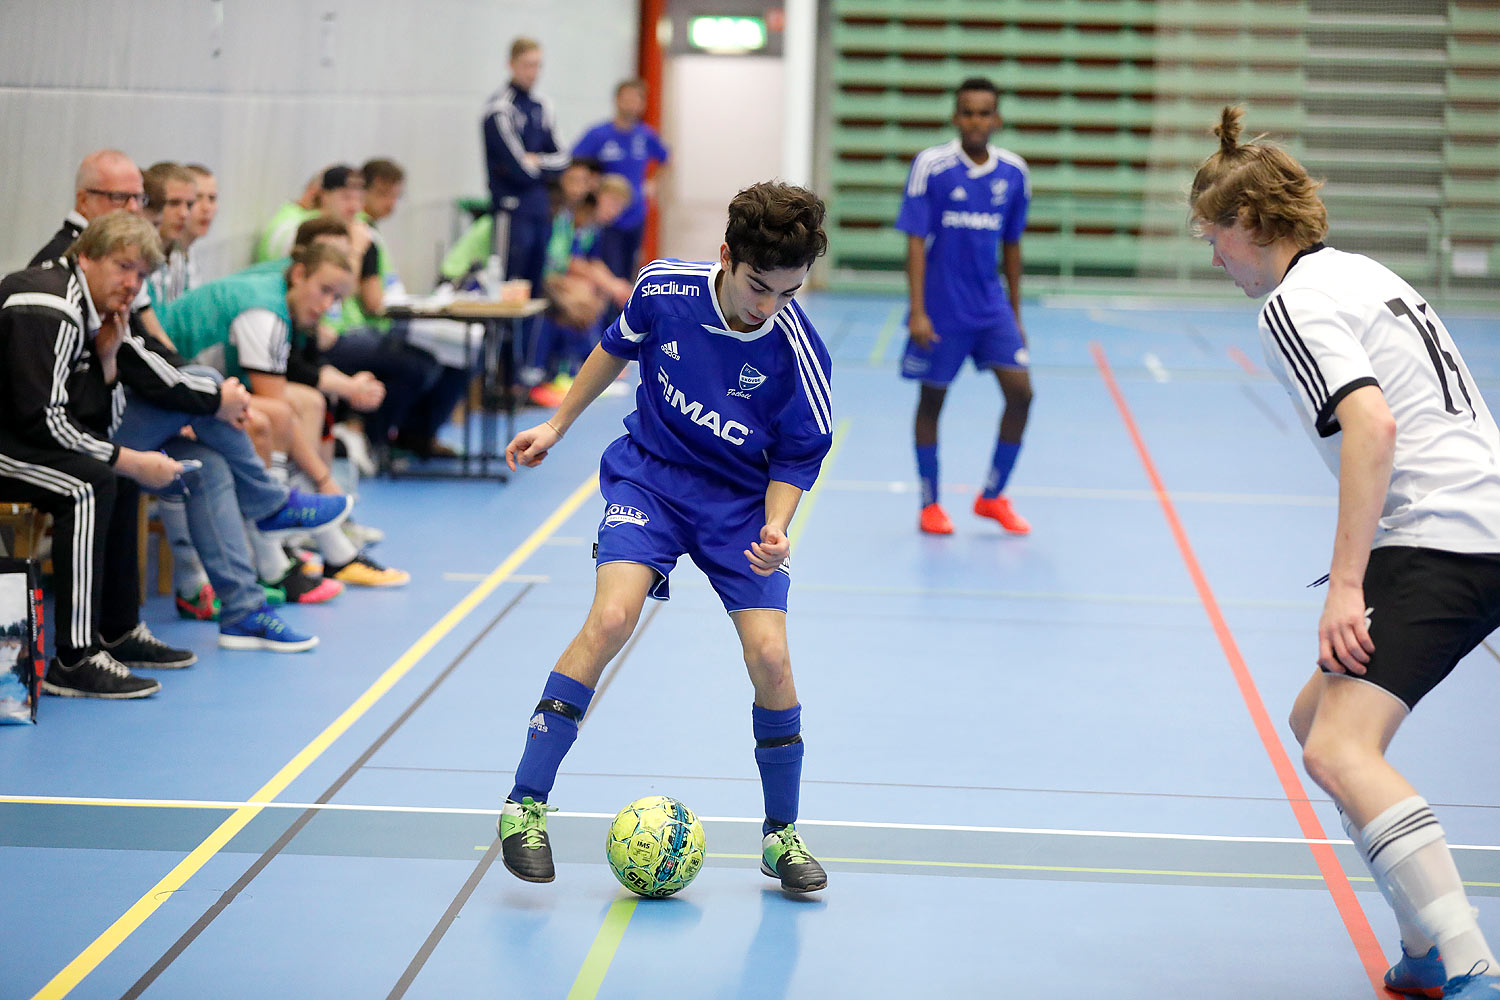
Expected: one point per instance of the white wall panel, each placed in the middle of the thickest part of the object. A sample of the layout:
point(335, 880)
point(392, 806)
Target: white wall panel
point(407, 79)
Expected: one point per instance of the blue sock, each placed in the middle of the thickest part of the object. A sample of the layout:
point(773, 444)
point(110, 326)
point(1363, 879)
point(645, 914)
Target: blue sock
point(553, 728)
point(927, 472)
point(778, 754)
point(1000, 466)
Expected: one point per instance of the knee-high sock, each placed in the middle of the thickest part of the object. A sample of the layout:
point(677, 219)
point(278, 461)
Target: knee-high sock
point(271, 562)
point(188, 575)
point(778, 755)
point(1414, 939)
point(927, 472)
point(1409, 852)
point(1001, 463)
point(549, 736)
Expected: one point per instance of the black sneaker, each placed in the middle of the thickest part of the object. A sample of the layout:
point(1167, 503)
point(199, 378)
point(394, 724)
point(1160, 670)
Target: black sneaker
point(783, 855)
point(140, 649)
point(97, 675)
point(523, 840)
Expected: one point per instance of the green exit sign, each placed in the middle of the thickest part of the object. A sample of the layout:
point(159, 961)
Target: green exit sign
point(727, 34)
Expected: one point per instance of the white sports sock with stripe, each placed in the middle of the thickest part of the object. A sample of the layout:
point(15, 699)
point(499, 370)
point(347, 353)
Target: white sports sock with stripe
point(1408, 853)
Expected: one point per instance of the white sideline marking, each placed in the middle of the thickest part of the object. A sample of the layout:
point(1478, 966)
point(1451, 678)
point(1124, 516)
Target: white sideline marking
point(1088, 493)
point(65, 800)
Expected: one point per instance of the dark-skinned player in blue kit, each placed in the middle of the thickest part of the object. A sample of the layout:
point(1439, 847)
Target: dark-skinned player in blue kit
point(965, 205)
point(733, 419)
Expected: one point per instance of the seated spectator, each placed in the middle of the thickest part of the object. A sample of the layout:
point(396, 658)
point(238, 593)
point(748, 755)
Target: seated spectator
point(107, 179)
point(580, 286)
point(366, 341)
point(205, 210)
point(59, 364)
point(210, 551)
point(276, 239)
point(243, 326)
point(171, 194)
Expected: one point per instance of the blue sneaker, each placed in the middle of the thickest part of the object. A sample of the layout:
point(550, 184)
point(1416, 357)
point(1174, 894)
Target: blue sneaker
point(1418, 976)
point(1473, 985)
point(306, 511)
point(261, 629)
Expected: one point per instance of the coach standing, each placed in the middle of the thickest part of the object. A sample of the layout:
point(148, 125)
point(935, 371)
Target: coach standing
point(521, 151)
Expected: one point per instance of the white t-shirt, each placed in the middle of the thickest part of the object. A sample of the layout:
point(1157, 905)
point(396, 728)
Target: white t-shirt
point(1340, 321)
point(262, 340)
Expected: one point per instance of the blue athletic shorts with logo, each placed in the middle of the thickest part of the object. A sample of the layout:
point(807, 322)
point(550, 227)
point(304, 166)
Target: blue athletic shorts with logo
point(656, 512)
point(996, 346)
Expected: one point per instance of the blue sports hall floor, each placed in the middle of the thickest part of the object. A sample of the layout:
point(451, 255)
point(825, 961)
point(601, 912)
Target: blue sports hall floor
point(1044, 766)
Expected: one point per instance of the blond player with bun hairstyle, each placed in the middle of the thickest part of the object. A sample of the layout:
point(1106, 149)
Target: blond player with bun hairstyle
point(1414, 582)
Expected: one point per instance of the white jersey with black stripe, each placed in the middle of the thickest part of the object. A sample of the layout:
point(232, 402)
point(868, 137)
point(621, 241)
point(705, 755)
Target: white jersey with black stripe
point(1339, 321)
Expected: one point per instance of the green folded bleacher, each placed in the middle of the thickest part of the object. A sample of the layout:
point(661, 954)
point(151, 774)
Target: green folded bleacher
point(1110, 101)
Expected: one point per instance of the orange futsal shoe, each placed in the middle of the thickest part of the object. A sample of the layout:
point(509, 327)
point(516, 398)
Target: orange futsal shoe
point(935, 521)
point(1000, 509)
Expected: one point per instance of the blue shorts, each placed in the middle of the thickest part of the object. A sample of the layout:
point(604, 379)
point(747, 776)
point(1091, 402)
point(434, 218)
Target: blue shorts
point(996, 346)
point(656, 512)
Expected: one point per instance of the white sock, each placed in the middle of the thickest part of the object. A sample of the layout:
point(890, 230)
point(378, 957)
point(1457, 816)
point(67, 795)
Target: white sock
point(1414, 939)
point(1409, 853)
point(277, 468)
point(188, 576)
point(271, 563)
point(335, 546)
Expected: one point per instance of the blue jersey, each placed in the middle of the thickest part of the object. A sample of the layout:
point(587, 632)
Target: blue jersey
point(625, 153)
point(965, 212)
point(747, 408)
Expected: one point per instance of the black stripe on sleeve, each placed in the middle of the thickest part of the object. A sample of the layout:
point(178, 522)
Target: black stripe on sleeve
point(1297, 343)
point(1273, 323)
point(1326, 422)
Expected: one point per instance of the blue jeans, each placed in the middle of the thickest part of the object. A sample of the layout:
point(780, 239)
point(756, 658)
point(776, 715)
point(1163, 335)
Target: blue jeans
point(231, 486)
point(147, 427)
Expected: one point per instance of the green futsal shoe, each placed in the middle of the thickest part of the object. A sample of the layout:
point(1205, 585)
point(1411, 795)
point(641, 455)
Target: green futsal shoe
point(783, 855)
point(523, 840)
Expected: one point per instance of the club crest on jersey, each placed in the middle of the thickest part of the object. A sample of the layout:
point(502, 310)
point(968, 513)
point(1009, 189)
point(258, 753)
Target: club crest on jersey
point(997, 191)
point(670, 350)
point(618, 513)
point(750, 379)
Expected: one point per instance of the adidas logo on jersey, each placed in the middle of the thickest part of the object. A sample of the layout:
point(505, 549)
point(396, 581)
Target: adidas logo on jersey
point(727, 430)
point(538, 722)
point(959, 194)
point(667, 288)
point(670, 350)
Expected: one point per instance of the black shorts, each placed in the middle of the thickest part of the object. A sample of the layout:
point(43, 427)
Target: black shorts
point(1428, 610)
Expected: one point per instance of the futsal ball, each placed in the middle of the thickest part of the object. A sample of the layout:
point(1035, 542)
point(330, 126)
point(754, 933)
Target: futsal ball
point(655, 846)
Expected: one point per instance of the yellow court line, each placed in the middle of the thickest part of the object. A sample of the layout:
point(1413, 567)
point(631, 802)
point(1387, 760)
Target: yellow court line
point(612, 930)
point(101, 947)
point(811, 500)
point(602, 951)
point(887, 331)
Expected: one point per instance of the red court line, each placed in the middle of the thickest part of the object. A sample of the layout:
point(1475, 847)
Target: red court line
point(1334, 878)
point(1243, 360)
